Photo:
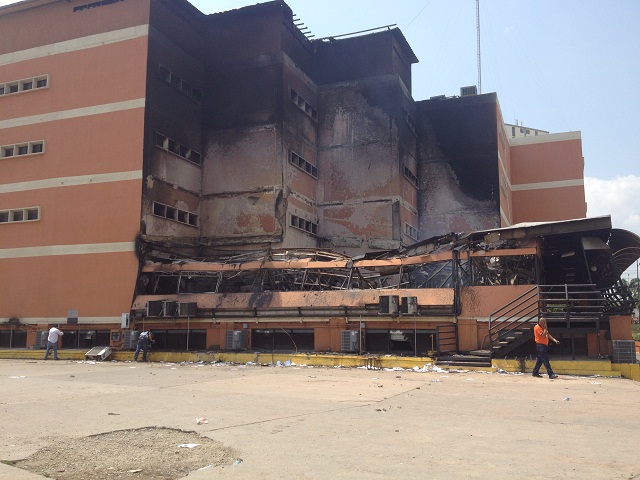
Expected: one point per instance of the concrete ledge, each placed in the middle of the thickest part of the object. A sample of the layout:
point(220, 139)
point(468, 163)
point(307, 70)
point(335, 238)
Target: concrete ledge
point(582, 367)
point(586, 367)
point(628, 370)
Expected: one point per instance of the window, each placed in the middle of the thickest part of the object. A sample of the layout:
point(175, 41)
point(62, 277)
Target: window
point(166, 143)
point(21, 149)
point(302, 224)
point(167, 76)
point(15, 215)
point(24, 85)
point(302, 104)
point(410, 121)
point(411, 231)
point(302, 164)
point(175, 214)
point(410, 176)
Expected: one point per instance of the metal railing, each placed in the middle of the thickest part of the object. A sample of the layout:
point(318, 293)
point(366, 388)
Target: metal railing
point(512, 324)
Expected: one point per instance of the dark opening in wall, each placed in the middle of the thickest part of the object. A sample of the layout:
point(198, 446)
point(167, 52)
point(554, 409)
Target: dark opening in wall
point(400, 342)
point(272, 340)
point(13, 339)
point(180, 340)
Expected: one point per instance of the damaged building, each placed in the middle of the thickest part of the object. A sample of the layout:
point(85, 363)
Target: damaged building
point(232, 182)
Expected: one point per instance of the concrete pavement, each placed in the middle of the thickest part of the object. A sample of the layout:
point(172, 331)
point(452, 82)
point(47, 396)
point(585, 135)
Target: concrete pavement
point(318, 422)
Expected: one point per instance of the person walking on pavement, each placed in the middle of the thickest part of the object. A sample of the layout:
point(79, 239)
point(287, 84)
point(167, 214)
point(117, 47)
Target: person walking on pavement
point(144, 340)
point(52, 342)
point(542, 336)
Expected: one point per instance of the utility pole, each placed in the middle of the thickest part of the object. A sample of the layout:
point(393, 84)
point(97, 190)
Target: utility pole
point(478, 35)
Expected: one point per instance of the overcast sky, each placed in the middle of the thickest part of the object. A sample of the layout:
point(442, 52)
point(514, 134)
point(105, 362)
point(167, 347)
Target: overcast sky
point(556, 65)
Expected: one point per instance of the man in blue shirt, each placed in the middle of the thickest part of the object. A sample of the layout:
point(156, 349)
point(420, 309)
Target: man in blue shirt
point(144, 340)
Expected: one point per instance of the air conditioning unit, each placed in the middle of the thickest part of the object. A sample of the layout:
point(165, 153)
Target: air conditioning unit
point(124, 320)
point(350, 341)
point(187, 309)
point(409, 305)
point(170, 309)
point(130, 341)
point(389, 304)
point(467, 91)
point(154, 308)
point(42, 338)
point(236, 340)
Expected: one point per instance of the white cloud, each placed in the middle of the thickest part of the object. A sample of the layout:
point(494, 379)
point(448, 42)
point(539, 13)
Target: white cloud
point(617, 197)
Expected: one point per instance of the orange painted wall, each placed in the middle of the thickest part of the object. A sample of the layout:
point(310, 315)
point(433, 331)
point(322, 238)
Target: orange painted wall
point(57, 22)
point(75, 215)
point(78, 79)
point(98, 285)
point(546, 159)
point(548, 205)
point(479, 302)
point(467, 334)
point(68, 151)
point(36, 281)
point(620, 327)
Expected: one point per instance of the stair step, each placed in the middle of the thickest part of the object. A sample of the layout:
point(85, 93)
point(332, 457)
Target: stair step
point(464, 364)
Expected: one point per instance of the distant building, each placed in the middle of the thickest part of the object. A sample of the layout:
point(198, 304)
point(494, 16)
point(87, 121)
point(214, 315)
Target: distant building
point(520, 131)
point(129, 127)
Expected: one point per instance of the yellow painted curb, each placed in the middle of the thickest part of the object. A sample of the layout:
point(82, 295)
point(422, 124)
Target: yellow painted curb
point(584, 367)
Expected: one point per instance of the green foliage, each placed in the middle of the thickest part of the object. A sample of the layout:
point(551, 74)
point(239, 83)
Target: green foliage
point(635, 331)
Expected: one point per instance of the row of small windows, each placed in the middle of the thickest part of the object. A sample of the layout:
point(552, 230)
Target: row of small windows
point(306, 225)
point(302, 104)
point(303, 165)
point(175, 214)
point(410, 176)
point(15, 215)
point(25, 148)
point(411, 231)
point(176, 148)
point(178, 83)
point(24, 85)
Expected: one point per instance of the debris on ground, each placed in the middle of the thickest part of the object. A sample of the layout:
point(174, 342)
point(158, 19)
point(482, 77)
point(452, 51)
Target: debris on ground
point(149, 453)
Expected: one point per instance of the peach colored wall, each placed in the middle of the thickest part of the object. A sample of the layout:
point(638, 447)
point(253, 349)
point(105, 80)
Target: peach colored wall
point(75, 215)
point(550, 204)
point(467, 334)
point(94, 213)
point(555, 160)
point(547, 161)
point(620, 327)
point(592, 344)
point(479, 302)
point(98, 285)
point(68, 154)
point(335, 298)
point(78, 79)
point(58, 22)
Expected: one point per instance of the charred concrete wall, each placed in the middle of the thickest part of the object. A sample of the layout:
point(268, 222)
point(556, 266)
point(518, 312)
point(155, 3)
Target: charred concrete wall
point(378, 54)
point(367, 143)
point(173, 121)
point(458, 168)
point(260, 175)
point(364, 145)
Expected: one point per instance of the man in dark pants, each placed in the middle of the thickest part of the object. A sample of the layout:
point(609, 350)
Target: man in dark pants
point(542, 336)
point(144, 340)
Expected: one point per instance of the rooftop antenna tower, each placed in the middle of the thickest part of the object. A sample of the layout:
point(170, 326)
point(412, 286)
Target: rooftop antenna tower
point(478, 42)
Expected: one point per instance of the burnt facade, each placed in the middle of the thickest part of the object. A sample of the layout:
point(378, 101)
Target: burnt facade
point(298, 143)
point(238, 135)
